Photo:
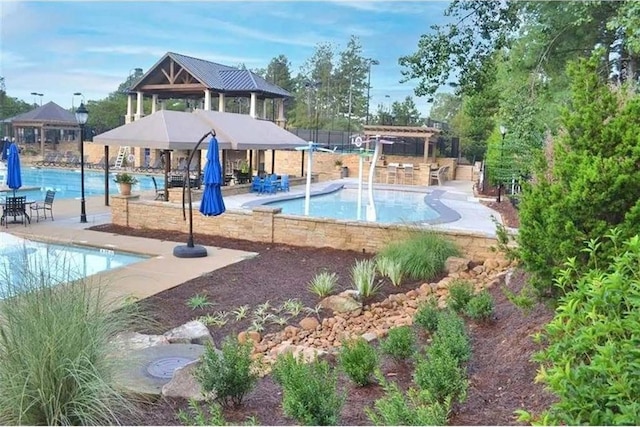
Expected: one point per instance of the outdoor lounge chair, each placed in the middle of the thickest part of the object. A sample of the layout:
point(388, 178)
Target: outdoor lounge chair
point(44, 206)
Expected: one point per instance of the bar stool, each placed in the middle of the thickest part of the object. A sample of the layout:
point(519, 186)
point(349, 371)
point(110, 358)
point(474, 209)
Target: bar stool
point(408, 173)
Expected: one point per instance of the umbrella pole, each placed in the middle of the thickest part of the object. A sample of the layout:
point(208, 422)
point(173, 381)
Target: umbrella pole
point(190, 250)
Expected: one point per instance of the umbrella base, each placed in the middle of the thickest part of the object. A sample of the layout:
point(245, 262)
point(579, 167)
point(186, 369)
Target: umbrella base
point(185, 251)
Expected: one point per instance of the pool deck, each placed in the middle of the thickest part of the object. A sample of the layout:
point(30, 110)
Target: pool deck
point(163, 271)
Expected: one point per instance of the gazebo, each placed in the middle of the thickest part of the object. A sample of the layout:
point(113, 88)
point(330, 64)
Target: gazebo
point(48, 117)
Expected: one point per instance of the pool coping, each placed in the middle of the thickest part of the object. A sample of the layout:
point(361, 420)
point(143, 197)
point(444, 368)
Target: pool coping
point(431, 199)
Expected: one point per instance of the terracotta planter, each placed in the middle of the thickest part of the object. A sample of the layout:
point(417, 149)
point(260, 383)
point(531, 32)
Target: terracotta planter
point(125, 189)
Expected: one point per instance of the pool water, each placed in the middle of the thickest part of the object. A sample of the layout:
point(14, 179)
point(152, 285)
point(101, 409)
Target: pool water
point(391, 206)
point(66, 183)
point(22, 261)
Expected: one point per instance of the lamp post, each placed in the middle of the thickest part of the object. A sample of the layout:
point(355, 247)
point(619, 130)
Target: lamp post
point(81, 117)
point(503, 132)
point(371, 62)
point(73, 99)
point(34, 98)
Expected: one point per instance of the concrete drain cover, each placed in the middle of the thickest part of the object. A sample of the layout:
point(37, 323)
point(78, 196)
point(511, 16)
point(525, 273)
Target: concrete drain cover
point(166, 366)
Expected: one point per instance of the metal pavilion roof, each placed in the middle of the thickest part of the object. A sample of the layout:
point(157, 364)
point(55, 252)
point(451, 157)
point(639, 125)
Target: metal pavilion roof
point(219, 77)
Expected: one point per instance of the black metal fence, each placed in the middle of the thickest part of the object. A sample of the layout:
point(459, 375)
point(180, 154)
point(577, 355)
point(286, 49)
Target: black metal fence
point(446, 146)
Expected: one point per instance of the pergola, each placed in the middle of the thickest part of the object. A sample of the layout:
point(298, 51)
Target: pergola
point(407, 132)
point(46, 117)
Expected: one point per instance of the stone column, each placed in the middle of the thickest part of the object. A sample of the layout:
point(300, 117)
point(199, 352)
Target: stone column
point(254, 101)
point(154, 103)
point(221, 102)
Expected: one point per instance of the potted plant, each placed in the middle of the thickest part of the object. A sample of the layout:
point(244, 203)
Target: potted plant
point(125, 181)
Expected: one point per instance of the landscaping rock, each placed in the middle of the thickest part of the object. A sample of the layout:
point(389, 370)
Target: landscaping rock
point(456, 265)
point(184, 384)
point(136, 341)
point(245, 336)
point(370, 336)
point(309, 323)
point(341, 304)
point(193, 332)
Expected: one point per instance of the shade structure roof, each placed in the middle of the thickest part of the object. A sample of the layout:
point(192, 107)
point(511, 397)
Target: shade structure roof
point(177, 130)
point(244, 132)
point(48, 114)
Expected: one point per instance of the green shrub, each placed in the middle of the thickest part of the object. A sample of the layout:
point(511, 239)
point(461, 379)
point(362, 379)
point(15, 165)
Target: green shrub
point(310, 393)
point(480, 306)
point(451, 336)
point(359, 360)
point(590, 181)
point(460, 293)
point(441, 375)
point(427, 315)
point(323, 283)
point(417, 408)
point(228, 373)
point(390, 268)
point(400, 343)
point(58, 366)
point(592, 359)
point(422, 256)
point(363, 275)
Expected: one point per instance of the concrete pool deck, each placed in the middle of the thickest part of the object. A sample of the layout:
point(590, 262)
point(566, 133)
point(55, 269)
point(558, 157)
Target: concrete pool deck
point(163, 271)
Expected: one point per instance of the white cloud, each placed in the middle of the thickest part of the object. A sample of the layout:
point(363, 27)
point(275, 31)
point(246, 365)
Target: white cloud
point(306, 40)
point(10, 59)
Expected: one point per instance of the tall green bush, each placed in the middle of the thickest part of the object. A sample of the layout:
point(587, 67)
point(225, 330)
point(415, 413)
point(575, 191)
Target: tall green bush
point(422, 255)
point(592, 359)
point(309, 390)
point(359, 360)
point(590, 179)
point(57, 366)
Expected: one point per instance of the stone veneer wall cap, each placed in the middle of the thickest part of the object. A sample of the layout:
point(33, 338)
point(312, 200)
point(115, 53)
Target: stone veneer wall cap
point(271, 209)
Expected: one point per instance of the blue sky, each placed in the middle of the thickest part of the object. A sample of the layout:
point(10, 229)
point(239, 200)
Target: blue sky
point(58, 48)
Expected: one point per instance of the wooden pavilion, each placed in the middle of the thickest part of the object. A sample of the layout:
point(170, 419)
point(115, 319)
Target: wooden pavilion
point(49, 119)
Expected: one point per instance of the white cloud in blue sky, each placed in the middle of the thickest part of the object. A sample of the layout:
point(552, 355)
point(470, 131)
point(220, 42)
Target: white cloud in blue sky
point(58, 48)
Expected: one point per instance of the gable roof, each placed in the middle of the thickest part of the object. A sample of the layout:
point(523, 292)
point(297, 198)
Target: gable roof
point(49, 113)
point(219, 77)
point(178, 130)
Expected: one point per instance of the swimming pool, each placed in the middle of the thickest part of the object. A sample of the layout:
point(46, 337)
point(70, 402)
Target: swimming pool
point(66, 183)
point(392, 206)
point(24, 261)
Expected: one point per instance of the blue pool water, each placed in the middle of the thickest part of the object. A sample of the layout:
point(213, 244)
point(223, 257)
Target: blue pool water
point(66, 183)
point(20, 258)
point(391, 206)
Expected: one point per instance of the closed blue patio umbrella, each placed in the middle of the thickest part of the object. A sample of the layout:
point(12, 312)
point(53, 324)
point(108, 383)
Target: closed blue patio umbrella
point(212, 203)
point(14, 177)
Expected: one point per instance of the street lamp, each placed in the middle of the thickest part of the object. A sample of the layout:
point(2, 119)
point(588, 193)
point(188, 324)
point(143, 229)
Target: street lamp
point(34, 97)
point(73, 99)
point(503, 132)
point(81, 117)
point(371, 62)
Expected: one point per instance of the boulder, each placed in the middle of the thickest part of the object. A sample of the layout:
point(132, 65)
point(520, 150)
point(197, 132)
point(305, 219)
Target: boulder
point(136, 341)
point(245, 336)
point(370, 336)
point(456, 265)
point(309, 323)
point(184, 384)
point(341, 304)
point(193, 332)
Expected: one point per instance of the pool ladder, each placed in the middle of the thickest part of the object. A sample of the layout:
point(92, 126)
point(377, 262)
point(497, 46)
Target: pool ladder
point(122, 155)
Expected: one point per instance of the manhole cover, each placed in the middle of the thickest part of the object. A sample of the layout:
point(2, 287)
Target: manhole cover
point(165, 367)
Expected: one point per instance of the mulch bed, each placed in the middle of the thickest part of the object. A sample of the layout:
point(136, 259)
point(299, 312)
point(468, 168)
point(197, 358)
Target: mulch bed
point(501, 375)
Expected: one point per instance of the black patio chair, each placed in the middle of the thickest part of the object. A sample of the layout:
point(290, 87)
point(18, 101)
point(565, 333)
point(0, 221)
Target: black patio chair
point(160, 194)
point(44, 206)
point(15, 207)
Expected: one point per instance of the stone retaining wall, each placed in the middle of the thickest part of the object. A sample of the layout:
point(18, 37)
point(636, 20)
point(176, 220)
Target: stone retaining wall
point(268, 224)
